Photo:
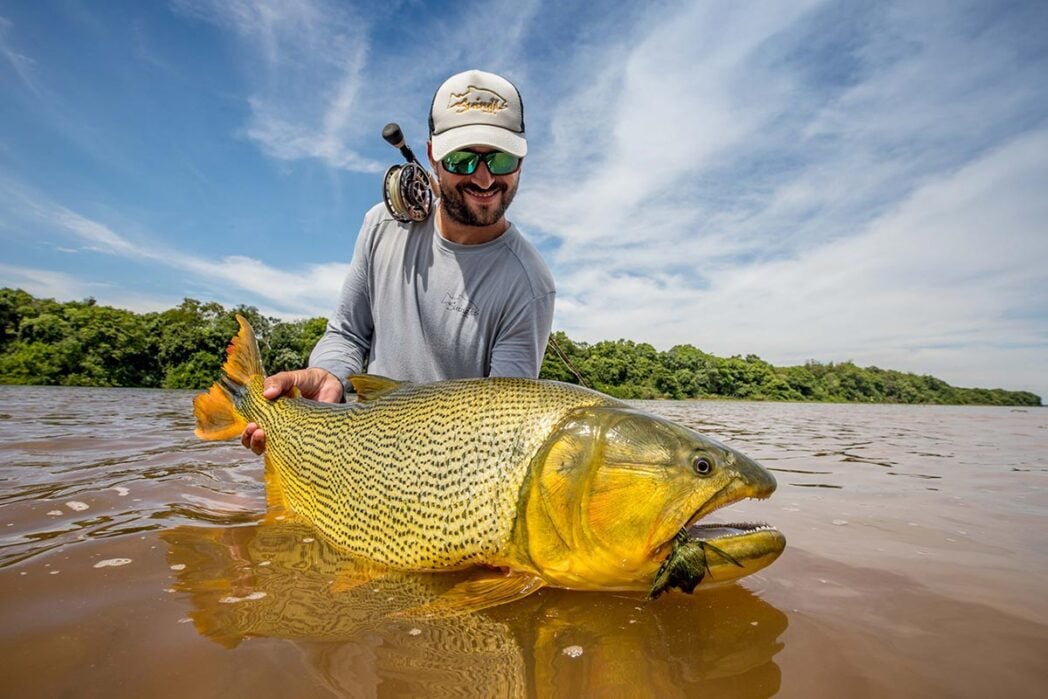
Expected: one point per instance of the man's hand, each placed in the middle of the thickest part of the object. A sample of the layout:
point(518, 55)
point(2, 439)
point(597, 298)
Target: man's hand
point(314, 383)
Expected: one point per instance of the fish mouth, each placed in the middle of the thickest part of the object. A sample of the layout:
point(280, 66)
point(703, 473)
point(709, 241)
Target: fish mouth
point(717, 553)
point(711, 552)
point(721, 532)
point(759, 485)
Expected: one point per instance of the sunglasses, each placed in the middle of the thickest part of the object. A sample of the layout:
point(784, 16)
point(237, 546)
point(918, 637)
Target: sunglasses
point(465, 162)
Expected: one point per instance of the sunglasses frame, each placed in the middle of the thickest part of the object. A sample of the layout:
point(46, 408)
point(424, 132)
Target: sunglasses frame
point(486, 158)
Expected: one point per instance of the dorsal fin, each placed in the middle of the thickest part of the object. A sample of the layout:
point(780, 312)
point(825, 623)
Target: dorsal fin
point(243, 360)
point(372, 386)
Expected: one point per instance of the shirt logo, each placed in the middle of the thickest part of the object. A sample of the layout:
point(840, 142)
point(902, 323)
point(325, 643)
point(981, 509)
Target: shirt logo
point(460, 304)
point(477, 98)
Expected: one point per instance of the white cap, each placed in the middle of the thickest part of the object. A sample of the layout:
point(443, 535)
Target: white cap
point(477, 109)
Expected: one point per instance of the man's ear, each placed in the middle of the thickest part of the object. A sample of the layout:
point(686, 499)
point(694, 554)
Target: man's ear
point(434, 183)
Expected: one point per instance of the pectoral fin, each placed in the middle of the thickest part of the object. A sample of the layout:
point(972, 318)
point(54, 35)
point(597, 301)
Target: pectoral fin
point(485, 589)
point(359, 572)
point(276, 504)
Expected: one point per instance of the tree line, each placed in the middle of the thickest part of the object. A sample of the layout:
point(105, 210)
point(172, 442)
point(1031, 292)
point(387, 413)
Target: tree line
point(81, 343)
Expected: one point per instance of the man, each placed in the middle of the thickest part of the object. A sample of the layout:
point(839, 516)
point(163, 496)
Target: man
point(461, 294)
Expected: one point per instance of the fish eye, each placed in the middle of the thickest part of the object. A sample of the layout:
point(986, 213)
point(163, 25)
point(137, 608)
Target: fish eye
point(701, 465)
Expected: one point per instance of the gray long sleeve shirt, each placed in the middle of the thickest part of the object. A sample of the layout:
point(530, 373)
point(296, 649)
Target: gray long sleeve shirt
point(420, 308)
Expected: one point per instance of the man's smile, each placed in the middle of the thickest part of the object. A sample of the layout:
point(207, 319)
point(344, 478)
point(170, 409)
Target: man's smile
point(484, 196)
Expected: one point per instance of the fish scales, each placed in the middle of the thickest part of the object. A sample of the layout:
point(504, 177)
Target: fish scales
point(426, 476)
point(550, 483)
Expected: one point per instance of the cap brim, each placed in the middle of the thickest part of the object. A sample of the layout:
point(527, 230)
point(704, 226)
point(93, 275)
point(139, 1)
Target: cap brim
point(479, 135)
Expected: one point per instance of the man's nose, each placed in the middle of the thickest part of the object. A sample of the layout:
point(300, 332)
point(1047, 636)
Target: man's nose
point(482, 177)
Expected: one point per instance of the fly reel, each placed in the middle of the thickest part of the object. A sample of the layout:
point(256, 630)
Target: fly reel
point(406, 189)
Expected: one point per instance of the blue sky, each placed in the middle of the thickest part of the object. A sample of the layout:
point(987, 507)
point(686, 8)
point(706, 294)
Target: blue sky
point(797, 180)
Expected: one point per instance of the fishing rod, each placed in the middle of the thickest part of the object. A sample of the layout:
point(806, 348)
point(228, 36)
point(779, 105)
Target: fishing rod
point(407, 189)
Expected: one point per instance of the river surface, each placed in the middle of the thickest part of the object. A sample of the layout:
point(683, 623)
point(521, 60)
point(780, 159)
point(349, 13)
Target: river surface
point(135, 562)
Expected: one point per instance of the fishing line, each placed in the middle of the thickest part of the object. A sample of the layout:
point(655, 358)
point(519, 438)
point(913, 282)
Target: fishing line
point(564, 358)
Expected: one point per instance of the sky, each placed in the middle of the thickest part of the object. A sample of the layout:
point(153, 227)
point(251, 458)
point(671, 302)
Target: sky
point(804, 180)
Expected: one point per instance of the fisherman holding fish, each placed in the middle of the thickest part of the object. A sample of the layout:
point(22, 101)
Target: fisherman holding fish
point(461, 294)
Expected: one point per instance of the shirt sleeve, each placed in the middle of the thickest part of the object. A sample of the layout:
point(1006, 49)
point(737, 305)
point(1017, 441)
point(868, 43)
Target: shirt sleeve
point(347, 340)
point(520, 346)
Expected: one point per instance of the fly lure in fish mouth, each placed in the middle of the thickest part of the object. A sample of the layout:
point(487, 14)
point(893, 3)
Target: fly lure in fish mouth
point(686, 565)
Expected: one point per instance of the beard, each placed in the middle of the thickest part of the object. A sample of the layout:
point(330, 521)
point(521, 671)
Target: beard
point(454, 202)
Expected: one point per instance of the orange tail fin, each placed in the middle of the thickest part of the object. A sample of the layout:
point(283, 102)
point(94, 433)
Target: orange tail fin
point(216, 411)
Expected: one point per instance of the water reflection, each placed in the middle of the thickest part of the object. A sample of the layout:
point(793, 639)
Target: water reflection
point(933, 568)
point(276, 579)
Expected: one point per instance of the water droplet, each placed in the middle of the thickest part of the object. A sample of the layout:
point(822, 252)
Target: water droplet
point(415, 632)
point(55, 513)
point(112, 562)
point(572, 651)
point(178, 566)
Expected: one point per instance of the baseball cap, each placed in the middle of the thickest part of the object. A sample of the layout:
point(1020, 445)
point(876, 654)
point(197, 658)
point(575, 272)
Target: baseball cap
point(476, 108)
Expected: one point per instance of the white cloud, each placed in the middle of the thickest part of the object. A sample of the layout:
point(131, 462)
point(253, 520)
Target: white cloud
point(664, 106)
point(729, 181)
point(304, 63)
point(45, 283)
point(19, 62)
point(97, 236)
point(950, 278)
point(309, 290)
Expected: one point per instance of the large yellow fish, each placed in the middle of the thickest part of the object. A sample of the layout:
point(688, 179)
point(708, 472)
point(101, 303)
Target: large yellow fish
point(532, 482)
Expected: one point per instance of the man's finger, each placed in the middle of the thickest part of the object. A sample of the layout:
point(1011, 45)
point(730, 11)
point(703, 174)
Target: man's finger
point(277, 385)
point(331, 392)
point(258, 442)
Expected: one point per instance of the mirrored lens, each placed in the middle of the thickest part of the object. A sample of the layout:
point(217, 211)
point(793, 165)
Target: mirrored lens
point(500, 163)
point(464, 162)
point(461, 162)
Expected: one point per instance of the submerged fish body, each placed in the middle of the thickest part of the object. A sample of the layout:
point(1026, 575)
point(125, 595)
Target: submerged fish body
point(549, 483)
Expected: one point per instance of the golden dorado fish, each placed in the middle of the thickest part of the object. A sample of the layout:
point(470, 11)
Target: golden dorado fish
point(533, 482)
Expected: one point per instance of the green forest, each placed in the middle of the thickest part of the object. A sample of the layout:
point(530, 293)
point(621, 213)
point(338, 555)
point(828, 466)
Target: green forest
point(81, 343)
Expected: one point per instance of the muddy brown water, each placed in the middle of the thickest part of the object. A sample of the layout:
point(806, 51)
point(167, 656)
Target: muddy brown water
point(134, 562)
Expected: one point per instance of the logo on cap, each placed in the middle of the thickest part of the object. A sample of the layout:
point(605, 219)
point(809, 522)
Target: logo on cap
point(477, 98)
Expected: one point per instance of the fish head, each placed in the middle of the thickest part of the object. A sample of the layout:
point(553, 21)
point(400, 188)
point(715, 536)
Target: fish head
point(613, 487)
